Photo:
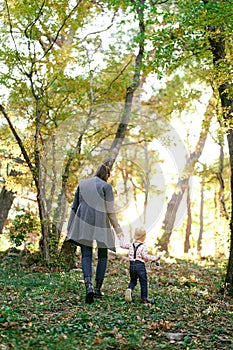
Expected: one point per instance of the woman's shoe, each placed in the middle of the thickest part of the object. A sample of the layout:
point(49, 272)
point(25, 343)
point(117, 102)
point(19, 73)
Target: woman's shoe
point(97, 293)
point(89, 291)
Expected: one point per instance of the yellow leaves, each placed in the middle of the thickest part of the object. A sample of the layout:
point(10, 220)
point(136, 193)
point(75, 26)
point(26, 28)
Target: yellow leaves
point(193, 278)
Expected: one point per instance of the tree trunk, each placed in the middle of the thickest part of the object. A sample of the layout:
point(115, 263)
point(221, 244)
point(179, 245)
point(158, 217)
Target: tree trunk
point(67, 255)
point(120, 134)
point(223, 208)
point(45, 229)
point(182, 184)
point(6, 201)
point(229, 274)
point(170, 215)
point(217, 40)
point(199, 241)
point(189, 223)
point(220, 243)
point(7, 197)
point(147, 179)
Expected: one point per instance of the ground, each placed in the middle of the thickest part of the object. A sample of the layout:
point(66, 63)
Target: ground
point(44, 308)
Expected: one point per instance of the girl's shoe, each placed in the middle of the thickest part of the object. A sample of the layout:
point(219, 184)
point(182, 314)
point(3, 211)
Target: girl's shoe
point(128, 295)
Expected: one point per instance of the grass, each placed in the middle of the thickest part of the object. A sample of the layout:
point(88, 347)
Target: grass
point(42, 309)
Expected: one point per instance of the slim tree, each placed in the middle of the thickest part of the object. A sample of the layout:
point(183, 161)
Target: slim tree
point(189, 223)
point(200, 236)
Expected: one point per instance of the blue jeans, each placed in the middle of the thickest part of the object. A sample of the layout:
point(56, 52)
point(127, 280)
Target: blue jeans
point(87, 262)
point(138, 271)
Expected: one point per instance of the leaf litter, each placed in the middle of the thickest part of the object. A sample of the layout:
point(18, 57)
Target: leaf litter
point(44, 309)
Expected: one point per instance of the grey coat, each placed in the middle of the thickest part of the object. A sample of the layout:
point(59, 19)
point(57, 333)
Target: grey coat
point(92, 214)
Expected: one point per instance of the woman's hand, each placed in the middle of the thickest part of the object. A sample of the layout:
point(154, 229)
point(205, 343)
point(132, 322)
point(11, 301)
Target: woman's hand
point(121, 236)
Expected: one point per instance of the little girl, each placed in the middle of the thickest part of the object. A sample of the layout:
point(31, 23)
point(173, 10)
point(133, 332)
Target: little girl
point(138, 255)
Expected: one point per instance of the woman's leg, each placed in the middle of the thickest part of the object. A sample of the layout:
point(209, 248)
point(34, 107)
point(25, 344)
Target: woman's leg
point(86, 260)
point(100, 270)
point(87, 272)
point(102, 263)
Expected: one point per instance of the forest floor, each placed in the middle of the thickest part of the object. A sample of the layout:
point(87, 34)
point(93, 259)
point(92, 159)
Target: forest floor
point(45, 309)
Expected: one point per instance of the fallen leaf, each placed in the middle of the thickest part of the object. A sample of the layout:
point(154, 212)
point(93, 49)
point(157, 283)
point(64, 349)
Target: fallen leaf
point(119, 336)
point(96, 341)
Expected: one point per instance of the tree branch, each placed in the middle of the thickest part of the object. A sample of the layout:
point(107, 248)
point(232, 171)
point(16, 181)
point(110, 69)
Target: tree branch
point(19, 141)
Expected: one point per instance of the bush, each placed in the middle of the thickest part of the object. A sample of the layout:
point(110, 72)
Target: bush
point(22, 227)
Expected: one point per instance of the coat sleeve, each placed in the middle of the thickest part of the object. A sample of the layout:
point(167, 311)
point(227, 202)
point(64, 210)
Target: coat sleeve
point(110, 209)
point(73, 209)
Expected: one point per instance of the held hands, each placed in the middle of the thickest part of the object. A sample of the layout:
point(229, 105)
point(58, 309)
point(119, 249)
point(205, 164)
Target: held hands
point(121, 236)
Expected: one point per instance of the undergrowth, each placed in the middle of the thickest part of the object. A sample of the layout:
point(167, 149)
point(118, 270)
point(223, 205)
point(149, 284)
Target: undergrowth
point(45, 309)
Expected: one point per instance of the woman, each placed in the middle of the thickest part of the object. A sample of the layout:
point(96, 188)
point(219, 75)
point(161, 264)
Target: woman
point(91, 218)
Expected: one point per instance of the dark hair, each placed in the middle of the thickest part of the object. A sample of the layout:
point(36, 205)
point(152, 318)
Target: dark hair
point(102, 172)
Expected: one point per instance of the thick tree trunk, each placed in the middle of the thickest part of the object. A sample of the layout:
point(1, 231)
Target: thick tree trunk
point(182, 184)
point(229, 274)
point(67, 255)
point(6, 201)
point(170, 216)
point(217, 40)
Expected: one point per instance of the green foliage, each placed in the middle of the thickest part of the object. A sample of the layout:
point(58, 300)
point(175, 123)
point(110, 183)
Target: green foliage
point(181, 37)
point(22, 226)
point(56, 317)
